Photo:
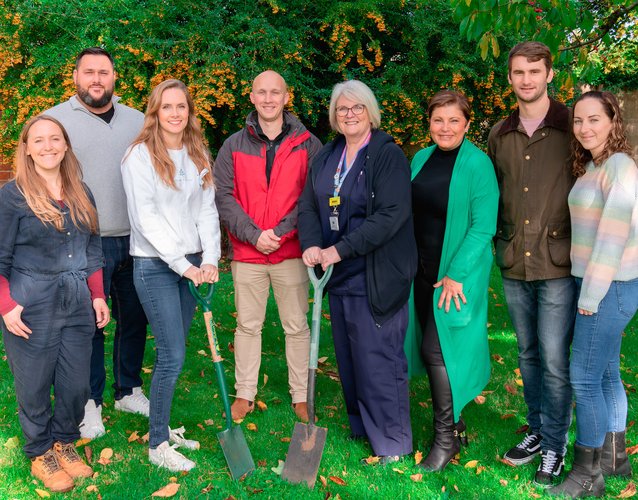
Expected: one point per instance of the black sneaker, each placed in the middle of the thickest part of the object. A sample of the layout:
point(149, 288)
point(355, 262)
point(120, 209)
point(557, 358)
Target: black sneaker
point(525, 451)
point(551, 467)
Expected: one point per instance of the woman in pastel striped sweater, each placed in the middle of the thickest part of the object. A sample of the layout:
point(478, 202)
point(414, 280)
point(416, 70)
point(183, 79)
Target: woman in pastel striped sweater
point(604, 213)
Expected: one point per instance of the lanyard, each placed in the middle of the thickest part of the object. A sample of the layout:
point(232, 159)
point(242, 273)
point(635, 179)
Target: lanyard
point(342, 166)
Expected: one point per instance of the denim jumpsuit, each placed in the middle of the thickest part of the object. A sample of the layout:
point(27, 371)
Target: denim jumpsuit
point(47, 272)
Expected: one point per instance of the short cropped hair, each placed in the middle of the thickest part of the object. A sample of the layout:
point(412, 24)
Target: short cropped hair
point(93, 51)
point(449, 97)
point(533, 51)
point(355, 91)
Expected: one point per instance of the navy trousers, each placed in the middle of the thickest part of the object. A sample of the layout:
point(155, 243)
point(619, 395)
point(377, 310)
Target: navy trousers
point(59, 312)
point(130, 324)
point(374, 373)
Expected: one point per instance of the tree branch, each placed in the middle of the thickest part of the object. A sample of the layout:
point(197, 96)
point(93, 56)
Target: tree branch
point(605, 27)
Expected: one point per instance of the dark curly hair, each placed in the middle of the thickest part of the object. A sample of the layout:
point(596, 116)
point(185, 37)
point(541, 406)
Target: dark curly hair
point(616, 141)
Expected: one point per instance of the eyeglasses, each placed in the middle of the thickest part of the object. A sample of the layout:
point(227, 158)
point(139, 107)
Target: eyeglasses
point(357, 109)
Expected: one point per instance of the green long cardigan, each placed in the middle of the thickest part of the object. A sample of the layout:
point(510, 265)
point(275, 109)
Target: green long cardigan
point(467, 258)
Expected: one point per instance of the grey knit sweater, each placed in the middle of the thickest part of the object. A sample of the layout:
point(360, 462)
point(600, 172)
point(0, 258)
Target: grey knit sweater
point(100, 147)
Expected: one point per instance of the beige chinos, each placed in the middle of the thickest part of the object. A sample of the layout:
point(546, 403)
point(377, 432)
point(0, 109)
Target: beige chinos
point(289, 281)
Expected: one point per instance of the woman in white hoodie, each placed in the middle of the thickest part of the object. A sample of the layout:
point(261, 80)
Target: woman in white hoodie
point(175, 237)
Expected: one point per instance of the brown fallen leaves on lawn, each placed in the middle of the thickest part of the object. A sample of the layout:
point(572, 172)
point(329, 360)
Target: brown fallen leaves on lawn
point(251, 427)
point(322, 360)
point(503, 482)
point(338, 480)
point(471, 464)
point(324, 481)
point(134, 436)
point(632, 450)
point(82, 442)
point(88, 453)
point(372, 460)
point(507, 415)
point(511, 389)
point(262, 406)
point(105, 456)
point(42, 493)
point(628, 492)
point(498, 358)
point(167, 491)
point(416, 477)
point(418, 456)
point(479, 400)
point(522, 429)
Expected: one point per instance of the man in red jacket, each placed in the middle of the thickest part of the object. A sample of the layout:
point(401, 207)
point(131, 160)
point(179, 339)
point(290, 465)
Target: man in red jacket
point(260, 173)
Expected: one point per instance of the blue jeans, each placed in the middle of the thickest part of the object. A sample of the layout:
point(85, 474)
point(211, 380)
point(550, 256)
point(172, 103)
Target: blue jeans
point(601, 402)
point(130, 328)
point(543, 313)
point(169, 307)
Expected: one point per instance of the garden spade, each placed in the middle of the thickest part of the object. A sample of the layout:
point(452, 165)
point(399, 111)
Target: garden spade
point(308, 440)
point(232, 439)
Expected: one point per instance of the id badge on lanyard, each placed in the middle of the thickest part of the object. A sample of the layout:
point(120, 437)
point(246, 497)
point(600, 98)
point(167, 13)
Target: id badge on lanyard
point(334, 203)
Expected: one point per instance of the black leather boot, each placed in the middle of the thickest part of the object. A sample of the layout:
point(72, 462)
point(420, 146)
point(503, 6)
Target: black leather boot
point(614, 460)
point(446, 440)
point(586, 478)
point(460, 431)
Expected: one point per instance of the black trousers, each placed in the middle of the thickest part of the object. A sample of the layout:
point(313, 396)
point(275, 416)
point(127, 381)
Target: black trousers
point(423, 294)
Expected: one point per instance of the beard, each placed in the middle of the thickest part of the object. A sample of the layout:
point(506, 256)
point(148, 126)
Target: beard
point(87, 99)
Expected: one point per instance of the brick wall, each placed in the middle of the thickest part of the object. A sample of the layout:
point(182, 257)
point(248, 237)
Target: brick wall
point(5, 170)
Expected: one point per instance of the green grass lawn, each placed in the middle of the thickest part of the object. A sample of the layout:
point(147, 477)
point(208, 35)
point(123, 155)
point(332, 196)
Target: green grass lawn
point(493, 428)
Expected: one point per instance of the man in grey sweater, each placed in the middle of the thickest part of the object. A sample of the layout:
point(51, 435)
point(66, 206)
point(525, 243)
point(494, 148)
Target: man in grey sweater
point(101, 129)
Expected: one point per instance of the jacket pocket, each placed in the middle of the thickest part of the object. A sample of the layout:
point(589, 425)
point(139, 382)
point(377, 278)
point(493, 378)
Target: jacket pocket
point(504, 245)
point(559, 243)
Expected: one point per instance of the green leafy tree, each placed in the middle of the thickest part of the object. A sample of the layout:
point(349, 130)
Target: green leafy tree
point(572, 29)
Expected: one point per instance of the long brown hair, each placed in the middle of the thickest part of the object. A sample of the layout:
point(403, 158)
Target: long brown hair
point(193, 139)
point(34, 189)
point(616, 141)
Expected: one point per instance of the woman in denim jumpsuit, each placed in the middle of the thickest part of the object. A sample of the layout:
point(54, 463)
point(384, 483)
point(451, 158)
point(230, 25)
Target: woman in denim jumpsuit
point(50, 295)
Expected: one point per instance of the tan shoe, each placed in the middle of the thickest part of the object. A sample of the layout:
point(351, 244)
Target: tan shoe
point(71, 461)
point(47, 469)
point(240, 408)
point(301, 410)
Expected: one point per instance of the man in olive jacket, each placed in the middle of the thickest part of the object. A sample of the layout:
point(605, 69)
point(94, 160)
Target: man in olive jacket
point(530, 151)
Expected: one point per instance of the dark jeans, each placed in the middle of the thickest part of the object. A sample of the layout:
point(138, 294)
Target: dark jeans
point(374, 373)
point(60, 314)
point(543, 315)
point(169, 306)
point(601, 402)
point(130, 328)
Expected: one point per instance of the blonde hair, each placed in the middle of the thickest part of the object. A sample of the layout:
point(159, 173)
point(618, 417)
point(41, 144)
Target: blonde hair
point(34, 189)
point(358, 92)
point(193, 138)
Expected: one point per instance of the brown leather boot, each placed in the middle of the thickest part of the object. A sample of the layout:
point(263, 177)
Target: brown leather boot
point(301, 410)
point(71, 461)
point(47, 469)
point(240, 408)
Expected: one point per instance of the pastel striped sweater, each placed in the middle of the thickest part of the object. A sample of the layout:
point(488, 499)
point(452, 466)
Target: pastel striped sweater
point(604, 212)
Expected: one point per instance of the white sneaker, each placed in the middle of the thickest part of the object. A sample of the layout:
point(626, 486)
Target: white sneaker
point(92, 426)
point(176, 436)
point(134, 403)
point(166, 456)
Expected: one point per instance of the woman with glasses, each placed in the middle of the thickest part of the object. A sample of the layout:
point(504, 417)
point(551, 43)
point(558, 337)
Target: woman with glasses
point(355, 213)
point(454, 203)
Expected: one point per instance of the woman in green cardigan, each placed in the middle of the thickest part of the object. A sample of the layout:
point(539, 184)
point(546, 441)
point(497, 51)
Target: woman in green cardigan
point(454, 203)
